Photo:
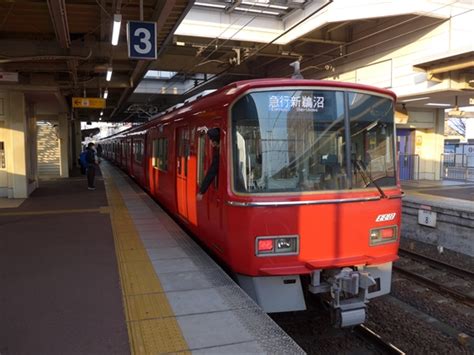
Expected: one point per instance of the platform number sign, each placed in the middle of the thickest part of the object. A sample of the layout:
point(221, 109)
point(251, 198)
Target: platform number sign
point(141, 37)
point(427, 218)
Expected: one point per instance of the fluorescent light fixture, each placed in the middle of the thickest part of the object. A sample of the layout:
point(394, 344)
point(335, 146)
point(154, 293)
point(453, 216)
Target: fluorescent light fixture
point(416, 99)
point(372, 125)
point(106, 94)
point(109, 74)
point(181, 44)
point(265, 5)
point(116, 29)
point(256, 11)
point(437, 104)
point(219, 6)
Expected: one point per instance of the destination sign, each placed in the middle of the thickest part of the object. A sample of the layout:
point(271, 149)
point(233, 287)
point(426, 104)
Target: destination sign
point(300, 103)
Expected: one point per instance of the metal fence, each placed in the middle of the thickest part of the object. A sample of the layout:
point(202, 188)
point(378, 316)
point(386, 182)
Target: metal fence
point(409, 166)
point(457, 166)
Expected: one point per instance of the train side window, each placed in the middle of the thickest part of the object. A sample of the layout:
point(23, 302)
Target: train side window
point(138, 151)
point(164, 155)
point(160, 154)
point(201, 158)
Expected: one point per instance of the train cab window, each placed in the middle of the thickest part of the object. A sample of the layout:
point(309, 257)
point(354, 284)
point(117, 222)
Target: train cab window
point(372, 140)
point(160, 154)
point(138, 151)
point(286, 141)
point(296, 140)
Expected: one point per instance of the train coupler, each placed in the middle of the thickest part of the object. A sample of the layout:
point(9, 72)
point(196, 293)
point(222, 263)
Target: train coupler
point(347, 290)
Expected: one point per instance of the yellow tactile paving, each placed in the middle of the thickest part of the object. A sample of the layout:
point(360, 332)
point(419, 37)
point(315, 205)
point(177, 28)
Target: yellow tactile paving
point(149, 306)
point(139, 277)
point(146, 341)
point(129, 255)
point(152, 327)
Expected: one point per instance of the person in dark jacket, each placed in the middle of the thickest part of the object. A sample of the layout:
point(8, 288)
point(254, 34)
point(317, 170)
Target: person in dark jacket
point(211, 174)
point(91, 161)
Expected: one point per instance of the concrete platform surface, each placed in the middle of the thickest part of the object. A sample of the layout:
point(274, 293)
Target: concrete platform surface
point(190, 297)
point(448, 194)
point(59, 284)
point(109, 272)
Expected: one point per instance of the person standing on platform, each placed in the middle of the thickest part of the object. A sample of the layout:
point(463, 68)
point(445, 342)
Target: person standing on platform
point(211, 174)
point(99, 150)
point(92, 162)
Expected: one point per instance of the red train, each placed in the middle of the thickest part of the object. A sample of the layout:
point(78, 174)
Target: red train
point(306, 199)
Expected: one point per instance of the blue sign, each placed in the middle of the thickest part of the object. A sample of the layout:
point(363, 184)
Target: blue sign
point(141, 38)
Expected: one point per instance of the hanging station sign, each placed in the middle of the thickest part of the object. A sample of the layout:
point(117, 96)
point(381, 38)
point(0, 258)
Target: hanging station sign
point(88, 102)
point(8, 76)
point(141, 38)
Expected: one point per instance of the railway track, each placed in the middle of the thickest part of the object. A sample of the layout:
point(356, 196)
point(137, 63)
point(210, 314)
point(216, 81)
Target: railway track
point(373, 338)
point(453, 293)
point(437, 264)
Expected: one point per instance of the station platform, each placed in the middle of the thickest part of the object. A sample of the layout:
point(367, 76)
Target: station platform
point(443, 193)
point(109, 272)
point(440, 214)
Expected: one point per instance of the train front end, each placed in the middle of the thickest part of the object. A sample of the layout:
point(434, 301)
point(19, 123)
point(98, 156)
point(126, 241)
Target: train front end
point(314, 200)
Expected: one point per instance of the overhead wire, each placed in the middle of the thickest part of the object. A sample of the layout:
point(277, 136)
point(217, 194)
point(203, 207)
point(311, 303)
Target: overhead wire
point(276, 38)
point(372, 34)
point(205, 60)
point(384, 30)
point(359, 39)
point(202, 62)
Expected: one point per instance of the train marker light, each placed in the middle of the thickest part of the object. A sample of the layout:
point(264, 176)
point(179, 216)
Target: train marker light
point(265, 245)
point(383, 235)
point(387, 233)
point(277, 245)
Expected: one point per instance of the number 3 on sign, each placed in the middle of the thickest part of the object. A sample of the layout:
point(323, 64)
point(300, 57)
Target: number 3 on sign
point(144, 37)
point(141, 36)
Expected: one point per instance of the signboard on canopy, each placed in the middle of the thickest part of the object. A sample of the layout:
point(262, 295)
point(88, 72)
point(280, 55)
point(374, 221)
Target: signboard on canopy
point(88, 102)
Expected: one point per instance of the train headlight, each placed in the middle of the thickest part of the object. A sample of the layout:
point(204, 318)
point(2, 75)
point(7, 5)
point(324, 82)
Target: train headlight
point(277, 245)
point(383, 235)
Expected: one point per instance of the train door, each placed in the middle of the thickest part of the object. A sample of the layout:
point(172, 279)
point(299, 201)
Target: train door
point(405, 151)
point(211, 210)
point(182, 156)
point(147, 154)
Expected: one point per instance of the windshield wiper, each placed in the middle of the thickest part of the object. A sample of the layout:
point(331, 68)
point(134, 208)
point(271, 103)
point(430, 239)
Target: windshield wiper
point(360, 167)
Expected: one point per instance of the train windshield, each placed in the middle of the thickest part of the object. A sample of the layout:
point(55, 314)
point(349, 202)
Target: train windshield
point(300, 140)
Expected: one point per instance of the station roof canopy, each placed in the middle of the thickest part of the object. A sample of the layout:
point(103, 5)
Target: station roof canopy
point(64, 47)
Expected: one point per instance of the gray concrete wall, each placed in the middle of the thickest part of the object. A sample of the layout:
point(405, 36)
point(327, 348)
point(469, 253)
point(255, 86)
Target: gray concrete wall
point(454, 226)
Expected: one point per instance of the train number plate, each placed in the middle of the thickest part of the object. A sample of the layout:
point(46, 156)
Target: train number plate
point(427, 218)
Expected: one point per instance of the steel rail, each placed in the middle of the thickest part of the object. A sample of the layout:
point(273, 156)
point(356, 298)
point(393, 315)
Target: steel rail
point(461, 297)
point(370, 336)
point(436, 263)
